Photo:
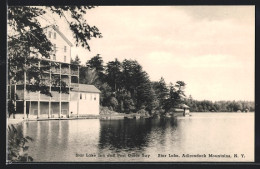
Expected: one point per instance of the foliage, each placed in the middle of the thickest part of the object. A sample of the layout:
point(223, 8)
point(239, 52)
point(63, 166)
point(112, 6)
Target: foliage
point(106, 111)
point(114, 74)
point(17, 148)
point(125, 87)
point(219, 106)
point(28, 44)
point(161, 91)
point(113, 103)
point(89, 76)
point(76, 61)
point(143, 112)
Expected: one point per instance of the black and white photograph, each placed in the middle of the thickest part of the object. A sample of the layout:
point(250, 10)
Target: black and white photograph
point(133, 84)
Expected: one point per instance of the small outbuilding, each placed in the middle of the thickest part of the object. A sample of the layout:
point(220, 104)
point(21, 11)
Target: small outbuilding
point(186, 109)
point(84, 100)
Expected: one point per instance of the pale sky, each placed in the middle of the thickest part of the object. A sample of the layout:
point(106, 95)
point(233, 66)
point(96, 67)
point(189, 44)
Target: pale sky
point(210, 48)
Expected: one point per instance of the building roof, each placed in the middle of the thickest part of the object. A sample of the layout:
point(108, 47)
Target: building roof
point(184, 106)
point(86, 88)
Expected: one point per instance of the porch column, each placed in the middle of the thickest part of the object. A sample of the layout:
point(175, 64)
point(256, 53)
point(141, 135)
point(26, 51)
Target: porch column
point(78, 95)
point(60, 110)
point(39, 95)
point(60, 93)
point(14, 101)
point(49, 112)
point(78, 105)
point(30, 106)
point(69, 90)
point(24, 96)
point(39, 109)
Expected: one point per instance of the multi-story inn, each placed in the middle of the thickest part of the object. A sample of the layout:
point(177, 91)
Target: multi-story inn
point(80, 99)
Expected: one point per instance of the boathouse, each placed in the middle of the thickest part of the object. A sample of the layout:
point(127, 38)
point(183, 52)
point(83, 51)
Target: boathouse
point(81, 99)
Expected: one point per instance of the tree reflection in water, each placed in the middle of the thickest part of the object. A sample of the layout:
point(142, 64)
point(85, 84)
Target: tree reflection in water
point(133, 134)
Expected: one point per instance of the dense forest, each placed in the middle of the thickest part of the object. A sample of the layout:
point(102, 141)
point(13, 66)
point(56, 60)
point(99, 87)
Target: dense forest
point(126, 88)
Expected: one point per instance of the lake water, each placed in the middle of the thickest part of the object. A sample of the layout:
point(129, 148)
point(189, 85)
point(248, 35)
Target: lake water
point(136, 140)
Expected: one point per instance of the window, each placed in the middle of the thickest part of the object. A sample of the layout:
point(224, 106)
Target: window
point(80, 96)
point(64, 58)
point(49, 34)
point(54, 35)
point(54, 47)
point(54, 57)
point(65, 48)
point(95, 97)
point(85, 96)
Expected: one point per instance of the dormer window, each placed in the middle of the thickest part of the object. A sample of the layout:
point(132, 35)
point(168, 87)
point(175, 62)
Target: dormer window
point(49, 34)
point(54, 35)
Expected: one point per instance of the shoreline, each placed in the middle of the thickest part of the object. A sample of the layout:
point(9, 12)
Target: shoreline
point(101, 117)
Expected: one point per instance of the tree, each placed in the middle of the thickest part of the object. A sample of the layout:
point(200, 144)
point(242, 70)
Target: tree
point(113, 103)
point(161, 91)
point(153, 102)
point(144, 92)
point(88, 76)
point(135, 81)
point(129, 68)
point(26, 38)
point(170, 102)
point(114, 74)
point(76, 61)
point(180, 95)
point(96, 62)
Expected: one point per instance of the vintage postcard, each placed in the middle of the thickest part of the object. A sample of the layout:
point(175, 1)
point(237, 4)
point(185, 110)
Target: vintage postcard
point(130, 84)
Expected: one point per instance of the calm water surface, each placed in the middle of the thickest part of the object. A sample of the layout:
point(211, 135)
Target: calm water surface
point(134, 140)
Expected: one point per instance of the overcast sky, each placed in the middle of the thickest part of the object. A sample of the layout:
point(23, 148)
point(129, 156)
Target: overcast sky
point(210, 48)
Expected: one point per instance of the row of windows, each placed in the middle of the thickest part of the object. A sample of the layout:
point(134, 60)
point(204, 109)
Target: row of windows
point(83, 96)
point(65, 58)
point(55, 48)
point(54, 37)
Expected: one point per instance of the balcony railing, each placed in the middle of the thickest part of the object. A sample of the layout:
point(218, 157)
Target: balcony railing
point(45, 82)
point(74, 72)
point(65, 70)
point(74, 85)
point(55, 70)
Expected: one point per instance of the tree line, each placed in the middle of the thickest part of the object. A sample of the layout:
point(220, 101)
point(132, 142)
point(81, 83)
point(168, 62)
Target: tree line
point(125, 87)
point(219, 106)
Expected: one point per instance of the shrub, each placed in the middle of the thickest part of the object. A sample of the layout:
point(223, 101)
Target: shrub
point(17, 149)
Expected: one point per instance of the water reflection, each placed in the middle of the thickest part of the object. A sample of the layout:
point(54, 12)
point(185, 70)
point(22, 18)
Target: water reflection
point(133, 135)
point(201, 133)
